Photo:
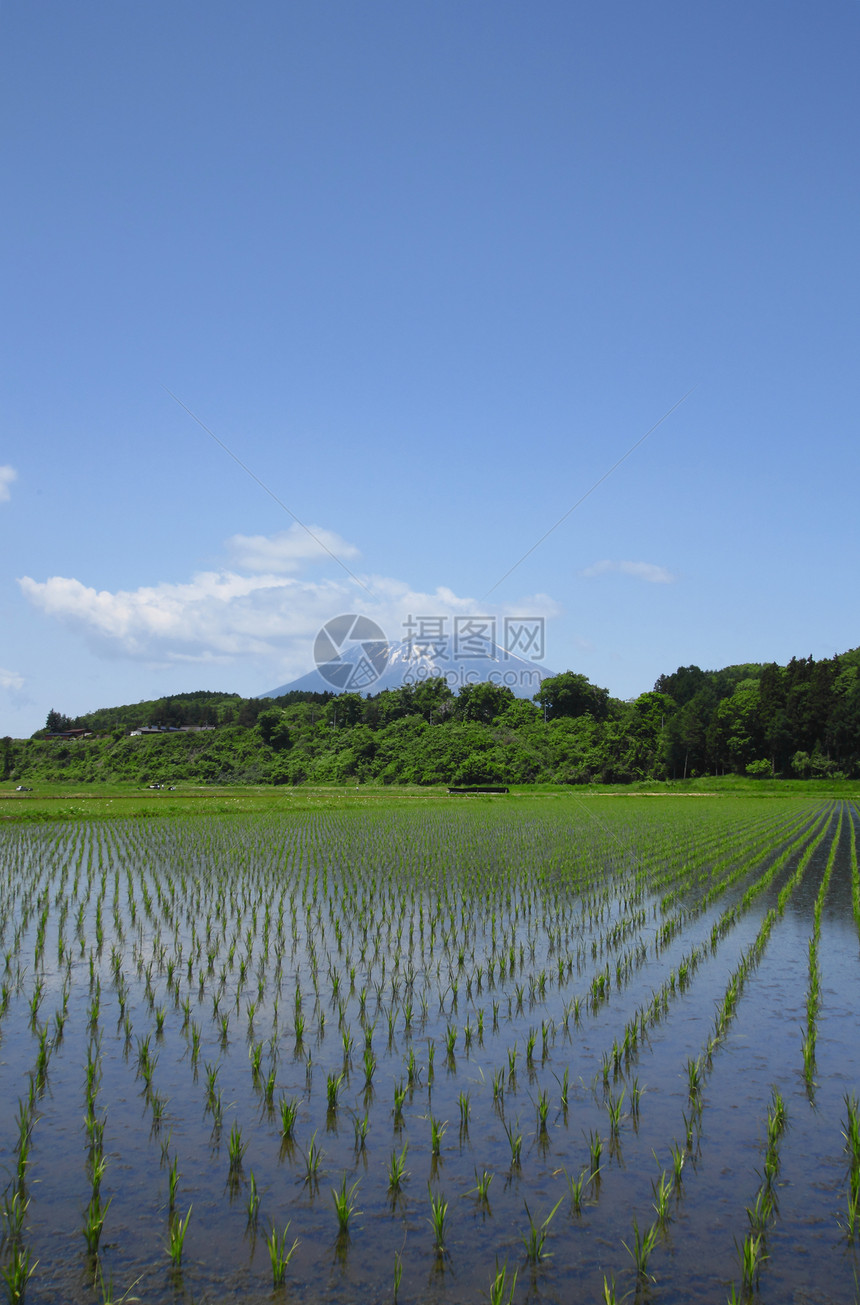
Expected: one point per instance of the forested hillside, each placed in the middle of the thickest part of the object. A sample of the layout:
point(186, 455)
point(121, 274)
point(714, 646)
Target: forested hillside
point(798, 720)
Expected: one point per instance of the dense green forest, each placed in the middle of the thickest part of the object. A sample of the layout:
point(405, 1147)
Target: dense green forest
point(800, 720)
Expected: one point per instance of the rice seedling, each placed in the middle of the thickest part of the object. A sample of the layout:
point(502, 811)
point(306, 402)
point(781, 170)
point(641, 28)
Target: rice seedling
point(236, 1150)
point(692, 1125)
point(14, 1211)
point(807, 1048)
point(313, 1161)
point(662, 1189)
point(361, 1126)
point(501, 1291)
point(642, 1247)
point(576, 1188)
point(216, 1109)
point(398, 1274)
point(17, 1273)
point(438, 1219)
point(515, 1141)
point(610, 1296)
point(106, 1289)
point(751, 1253)
point(694, 1079)
point(512, 1063)
point(279, 1255)
point(98, 1166)
point(542, 1112)
point(761, 1211)
point(851, 1128)
point(850, 1220)
point(172, 1183)
point(94, 1218)
point(771, 1167)
point(482, 1185)
point(211, 1072)
point(534, 1239)
point(36, 1001)
point(595, 1151)
point(344, 1204)
point(614, 1108)
point(606, 1070)
point(333, 1086)
point(42, 1057)
point(399, 1098)
point(397, 1170)
point(777, 1119)
point(438, 1129)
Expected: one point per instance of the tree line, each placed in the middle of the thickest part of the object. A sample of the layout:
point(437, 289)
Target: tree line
point(800, 720)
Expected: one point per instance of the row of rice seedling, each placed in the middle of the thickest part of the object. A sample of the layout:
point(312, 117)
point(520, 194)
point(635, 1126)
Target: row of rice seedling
point(752, 1249)
point(851, 1136)
point(813, 994)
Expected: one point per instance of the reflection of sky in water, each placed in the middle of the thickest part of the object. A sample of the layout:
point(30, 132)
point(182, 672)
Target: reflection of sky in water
point(356, 903)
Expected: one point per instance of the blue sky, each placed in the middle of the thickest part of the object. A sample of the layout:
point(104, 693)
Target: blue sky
point(429, 270)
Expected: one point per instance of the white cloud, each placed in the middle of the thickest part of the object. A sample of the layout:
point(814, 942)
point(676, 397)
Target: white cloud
point(649, 571)
point(7, 475)
point(286, 551)
point(215, 614)
point(222, 616)
point(11, 680)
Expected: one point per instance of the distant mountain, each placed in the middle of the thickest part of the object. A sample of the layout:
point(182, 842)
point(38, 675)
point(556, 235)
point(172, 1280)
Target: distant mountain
point(369, 666)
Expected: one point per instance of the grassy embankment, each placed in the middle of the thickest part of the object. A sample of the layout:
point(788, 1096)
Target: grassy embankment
point(68, 801)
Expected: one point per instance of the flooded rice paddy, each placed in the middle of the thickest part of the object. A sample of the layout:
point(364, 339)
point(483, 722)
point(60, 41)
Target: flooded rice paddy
point(403, 1055)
